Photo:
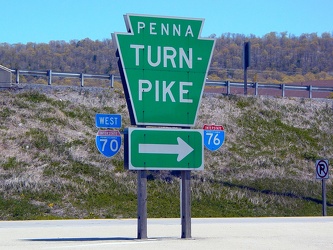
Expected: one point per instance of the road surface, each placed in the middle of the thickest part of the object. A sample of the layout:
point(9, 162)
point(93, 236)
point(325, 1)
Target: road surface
point(210, 233)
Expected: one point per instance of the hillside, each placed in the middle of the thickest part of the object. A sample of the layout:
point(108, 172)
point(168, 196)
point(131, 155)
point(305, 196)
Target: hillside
point(50, 167)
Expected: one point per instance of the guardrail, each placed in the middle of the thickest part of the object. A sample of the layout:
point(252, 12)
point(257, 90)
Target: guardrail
point(49, 74)
point(256, 86)
point(5, 76)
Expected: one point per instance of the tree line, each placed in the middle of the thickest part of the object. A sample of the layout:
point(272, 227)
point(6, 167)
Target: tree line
point(275, 57)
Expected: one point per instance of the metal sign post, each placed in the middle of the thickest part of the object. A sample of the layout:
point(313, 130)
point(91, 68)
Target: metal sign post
point(142, 204)
point(186, 204)
point(247, 46)
point(323, 187)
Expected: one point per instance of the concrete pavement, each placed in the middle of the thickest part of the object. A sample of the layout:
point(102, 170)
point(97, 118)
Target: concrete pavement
point(207, 233)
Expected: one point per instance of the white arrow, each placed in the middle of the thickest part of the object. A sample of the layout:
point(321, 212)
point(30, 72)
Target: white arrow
point(182, 149)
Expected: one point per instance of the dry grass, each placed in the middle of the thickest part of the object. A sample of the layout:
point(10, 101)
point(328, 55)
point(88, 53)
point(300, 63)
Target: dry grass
point(266, 166)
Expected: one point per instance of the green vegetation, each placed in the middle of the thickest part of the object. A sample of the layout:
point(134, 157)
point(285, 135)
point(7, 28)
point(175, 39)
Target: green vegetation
point(50, 167)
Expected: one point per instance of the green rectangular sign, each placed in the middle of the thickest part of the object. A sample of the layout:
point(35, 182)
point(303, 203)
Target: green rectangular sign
point(164, 149)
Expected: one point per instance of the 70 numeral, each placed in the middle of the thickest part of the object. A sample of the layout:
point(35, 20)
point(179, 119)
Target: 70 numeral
point(113, 144)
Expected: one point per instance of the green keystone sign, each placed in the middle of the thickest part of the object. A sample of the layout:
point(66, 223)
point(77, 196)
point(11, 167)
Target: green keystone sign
point(164, 149)
point(164, 64)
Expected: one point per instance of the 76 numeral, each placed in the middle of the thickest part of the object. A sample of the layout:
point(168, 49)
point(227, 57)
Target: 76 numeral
point(216, 140)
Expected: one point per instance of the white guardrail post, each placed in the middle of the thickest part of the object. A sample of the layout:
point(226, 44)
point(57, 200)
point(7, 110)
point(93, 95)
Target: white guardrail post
point(310, 91)
point(17, 72)
point(49, 74)
point(82, 79)
point(228, 88)
point(112, 80)
point(283, 87)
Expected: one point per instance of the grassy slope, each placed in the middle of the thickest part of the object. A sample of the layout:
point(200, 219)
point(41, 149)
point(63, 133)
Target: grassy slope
point(50, 167)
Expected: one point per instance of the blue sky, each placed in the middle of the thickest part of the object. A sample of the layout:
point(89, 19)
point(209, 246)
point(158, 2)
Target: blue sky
point(38, 21)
